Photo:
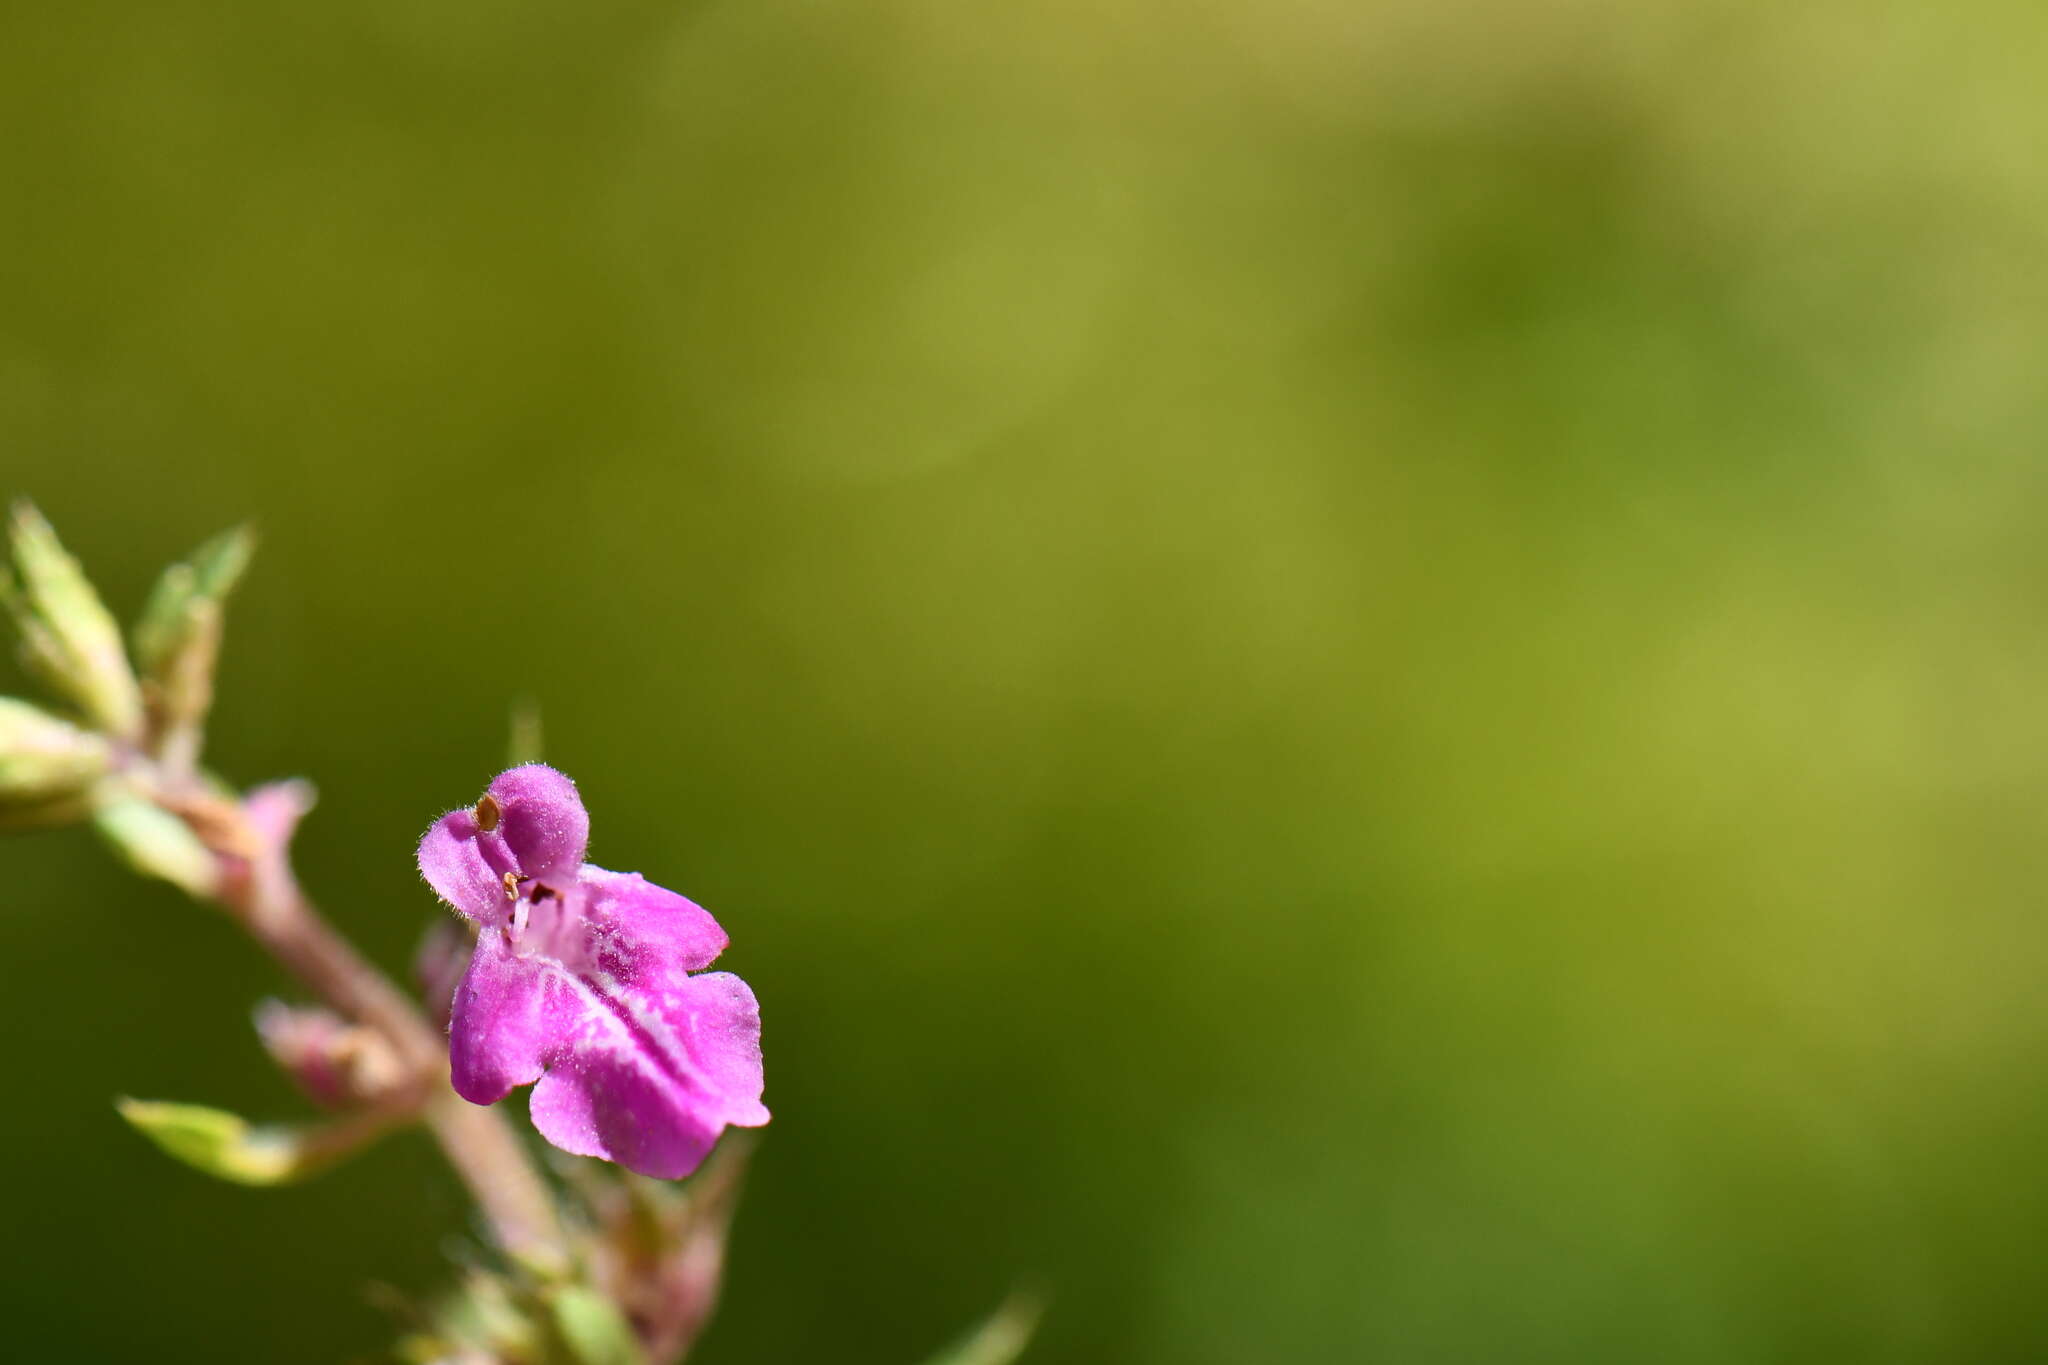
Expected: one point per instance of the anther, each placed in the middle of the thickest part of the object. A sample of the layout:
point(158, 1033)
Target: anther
point(487, 813)
point(511, 886)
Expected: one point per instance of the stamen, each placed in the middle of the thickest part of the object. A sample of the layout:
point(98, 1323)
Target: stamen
point(511, 886)
point(487, 813)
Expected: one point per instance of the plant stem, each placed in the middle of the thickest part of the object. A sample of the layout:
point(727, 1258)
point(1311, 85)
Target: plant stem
point(477, 1141)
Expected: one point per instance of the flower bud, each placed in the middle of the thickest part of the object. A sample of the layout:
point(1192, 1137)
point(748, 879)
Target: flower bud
point(44, 759)
point(335, 1062)
point(273, 811)
point(66, 634)
point(439, 962)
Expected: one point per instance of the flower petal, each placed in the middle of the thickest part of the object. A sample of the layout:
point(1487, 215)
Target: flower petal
point(537, 830)
point(644, 930)
point(454, 866)
point(506, 1019)
point(622, 1114)
point(652, 1084)
point(717, 1013)
point(542, 825)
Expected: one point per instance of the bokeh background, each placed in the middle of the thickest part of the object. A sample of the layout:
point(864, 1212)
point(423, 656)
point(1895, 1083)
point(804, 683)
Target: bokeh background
point(1362, 681)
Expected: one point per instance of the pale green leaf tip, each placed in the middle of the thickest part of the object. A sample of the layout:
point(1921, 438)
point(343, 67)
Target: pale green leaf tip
point(216, 1142)
point(198, 583)
point(44, 758)
point(1001, 1338)
point(66, 630)
point(39, 555)
point(26, 521)
point(157, 843)
point(593, 1329)
point(218, 564)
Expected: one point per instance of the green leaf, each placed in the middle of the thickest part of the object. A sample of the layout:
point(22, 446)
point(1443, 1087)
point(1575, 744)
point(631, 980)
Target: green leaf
point(178, 644)
point(592, 1329)
point(229, 1147)
point(1000, 1339)
point(214, 1141)
point(208, 575)
point(67, 634)
point(44, 759)
point(156, 843)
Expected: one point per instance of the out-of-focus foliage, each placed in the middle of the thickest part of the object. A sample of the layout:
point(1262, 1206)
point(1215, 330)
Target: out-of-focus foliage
point(227, 1147)
point(1361, 681)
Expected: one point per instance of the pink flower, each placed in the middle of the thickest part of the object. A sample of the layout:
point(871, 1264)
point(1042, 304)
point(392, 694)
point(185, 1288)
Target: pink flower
point(581, 986)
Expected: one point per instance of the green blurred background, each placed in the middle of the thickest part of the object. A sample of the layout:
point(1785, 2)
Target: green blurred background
point(1363, 682)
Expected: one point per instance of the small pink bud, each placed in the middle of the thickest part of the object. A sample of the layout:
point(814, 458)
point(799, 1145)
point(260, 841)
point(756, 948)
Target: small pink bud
point(335, 1062)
